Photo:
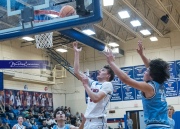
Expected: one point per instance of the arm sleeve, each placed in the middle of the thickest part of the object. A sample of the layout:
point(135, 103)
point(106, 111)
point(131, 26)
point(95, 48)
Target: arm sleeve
point(107, 88)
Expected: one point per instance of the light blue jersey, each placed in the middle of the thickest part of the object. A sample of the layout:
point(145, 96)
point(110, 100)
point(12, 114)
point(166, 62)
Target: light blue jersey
point(67, 126)
point(171, 123)
point(155, 108)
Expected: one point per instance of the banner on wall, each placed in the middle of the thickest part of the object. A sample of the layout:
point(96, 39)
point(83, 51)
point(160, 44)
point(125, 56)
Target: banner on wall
point(139, 72)
point(117, 92)
point(128, 92)
point(171, 88)
point(172, 69)
point(24, 99)
point(23, 64)
point(178, 69)
point(178, 82)
point(129, 71)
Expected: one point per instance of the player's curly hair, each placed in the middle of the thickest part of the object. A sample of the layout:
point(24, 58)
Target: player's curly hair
point(57, 110)
point(159, 70)
point(110, 71)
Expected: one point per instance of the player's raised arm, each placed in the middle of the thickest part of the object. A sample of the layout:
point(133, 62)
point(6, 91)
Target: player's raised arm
point(143, 86)
point(76, 60)
point(143, 57)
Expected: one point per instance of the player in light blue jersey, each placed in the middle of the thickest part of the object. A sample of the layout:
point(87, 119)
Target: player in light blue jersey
point(153, 91)
point(60, 117)
point(170, 113)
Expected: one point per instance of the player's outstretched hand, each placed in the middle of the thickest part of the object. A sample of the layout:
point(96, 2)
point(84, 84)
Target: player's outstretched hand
point(109, 56)
point(75, 46)
point(140, 48)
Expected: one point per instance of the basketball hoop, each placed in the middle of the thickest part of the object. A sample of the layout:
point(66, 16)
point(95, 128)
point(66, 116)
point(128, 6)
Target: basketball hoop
point(44, 40)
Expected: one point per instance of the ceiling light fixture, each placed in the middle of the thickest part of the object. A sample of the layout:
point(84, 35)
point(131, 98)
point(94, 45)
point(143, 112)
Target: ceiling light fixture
point(88, 32)
point(124, 14)
point(108, 2)
point(135, 23)
point(28, 38)
point(61, 50)
point(145, 32)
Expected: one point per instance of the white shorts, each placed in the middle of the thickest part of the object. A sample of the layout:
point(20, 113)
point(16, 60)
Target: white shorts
point(95, 123)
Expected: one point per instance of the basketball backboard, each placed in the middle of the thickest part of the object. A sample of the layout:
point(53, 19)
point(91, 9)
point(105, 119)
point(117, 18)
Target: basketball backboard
point(28, 17)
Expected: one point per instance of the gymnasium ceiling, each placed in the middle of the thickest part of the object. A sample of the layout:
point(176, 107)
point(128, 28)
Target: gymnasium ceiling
point(113, 28)
point(148, 12)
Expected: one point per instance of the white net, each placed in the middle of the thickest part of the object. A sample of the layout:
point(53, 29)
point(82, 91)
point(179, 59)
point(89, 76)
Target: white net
point(44, 40)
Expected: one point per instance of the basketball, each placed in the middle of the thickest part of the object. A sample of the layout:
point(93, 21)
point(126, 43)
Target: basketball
point(67, 11)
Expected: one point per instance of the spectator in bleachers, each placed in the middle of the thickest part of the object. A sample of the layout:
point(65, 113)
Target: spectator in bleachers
point(48, 122)
point(53, 121)
point(68, 114)
point(27, 124)
point(44, 126)
point(77, 115)
point(42, 118)
point(6, 126)
point(15, 111)
point(7, 121)
point(73, 120)
point(34, 126)
point(1, 125)
point(19, 124)
point(68, 121)
point(65, 108)
point(8, 110)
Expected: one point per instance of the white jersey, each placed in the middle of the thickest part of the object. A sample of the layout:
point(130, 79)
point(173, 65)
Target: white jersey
point(28, 100)
point(43, 101)
point(18, 101)
point(34, 100)
point(50, 102)
point(95, 110)
point(11, 99)
point(19, 126)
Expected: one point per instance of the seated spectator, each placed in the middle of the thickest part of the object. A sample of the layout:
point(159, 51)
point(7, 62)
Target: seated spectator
point(41, 117)
point(8, 109)
point(6, 126)
point(77, 115)
point(34, 126)
point(53, 122)
point(73, 120)
point(15, 111)
point(1, 125)
point(7, 121)
point(48, 122)
point(44, 126)
point(27, 124)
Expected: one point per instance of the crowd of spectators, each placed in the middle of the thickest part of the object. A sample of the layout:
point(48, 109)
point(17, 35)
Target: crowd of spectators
point(35, 117)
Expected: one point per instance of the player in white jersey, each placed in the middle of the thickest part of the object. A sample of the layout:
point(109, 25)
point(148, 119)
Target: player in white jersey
point(99, 93)
point(19, 124)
